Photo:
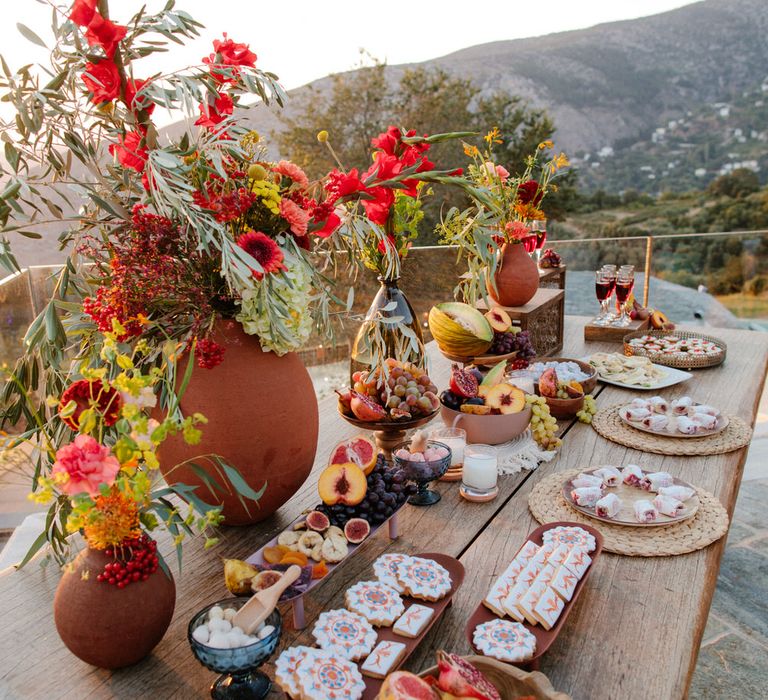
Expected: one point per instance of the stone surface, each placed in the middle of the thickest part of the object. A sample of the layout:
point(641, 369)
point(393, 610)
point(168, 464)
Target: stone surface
point(732, 667)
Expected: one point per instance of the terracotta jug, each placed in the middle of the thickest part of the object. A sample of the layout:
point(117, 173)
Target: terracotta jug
point(107, 626)
point(517, 277)
point(262, 419)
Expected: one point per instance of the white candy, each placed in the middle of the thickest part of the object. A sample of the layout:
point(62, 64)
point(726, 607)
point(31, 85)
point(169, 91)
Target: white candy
point(229, 613)
point(200, 634)
point(266, 631)
point(237, 630)
point(219, 640)
point(219, 625)
point(215, 613)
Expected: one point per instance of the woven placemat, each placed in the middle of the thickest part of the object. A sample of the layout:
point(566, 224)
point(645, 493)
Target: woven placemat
point(708, 525)
point(608, 423)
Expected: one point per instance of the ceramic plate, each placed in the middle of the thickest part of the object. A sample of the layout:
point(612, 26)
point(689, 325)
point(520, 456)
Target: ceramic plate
point(671, 377)
point(670, 431)
point(628, 496)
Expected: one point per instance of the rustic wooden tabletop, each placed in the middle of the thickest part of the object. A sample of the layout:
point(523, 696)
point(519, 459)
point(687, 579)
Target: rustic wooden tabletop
point(634, 632)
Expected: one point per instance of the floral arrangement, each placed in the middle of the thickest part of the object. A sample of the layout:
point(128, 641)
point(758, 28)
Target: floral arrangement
point(105, 481)
point(504, 207)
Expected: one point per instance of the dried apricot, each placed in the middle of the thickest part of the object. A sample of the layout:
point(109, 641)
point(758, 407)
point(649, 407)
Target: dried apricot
point(319, 570)
point(294, 558)
point(273, 555)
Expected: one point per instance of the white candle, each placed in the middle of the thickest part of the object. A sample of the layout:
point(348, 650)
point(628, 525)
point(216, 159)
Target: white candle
point(455, 439)
point(480, 467)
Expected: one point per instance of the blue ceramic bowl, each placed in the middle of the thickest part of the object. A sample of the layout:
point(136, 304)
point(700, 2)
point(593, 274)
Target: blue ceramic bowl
point(239, 660)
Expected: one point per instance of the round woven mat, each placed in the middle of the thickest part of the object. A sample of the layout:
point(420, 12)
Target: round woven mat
point(608, 423)
point(708, 525)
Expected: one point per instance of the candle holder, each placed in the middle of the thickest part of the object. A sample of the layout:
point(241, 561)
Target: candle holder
point(479, 473)
point(423, 473)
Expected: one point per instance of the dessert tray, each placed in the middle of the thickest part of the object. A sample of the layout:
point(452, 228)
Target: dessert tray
point(295, 594)
point(622, 488)
point(680, 418)
point(635, 372)
point(681, 349)
point(528, 603)
point(379, 629)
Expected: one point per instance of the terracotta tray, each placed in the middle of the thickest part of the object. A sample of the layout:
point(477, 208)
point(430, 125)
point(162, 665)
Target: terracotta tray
point(456, 570)
point(628, 495)
point(257, 559)
point(480, 360)
point(544, 638)
point(722, 424)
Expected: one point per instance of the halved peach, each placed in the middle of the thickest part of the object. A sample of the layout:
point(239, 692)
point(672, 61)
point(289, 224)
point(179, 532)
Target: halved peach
point(506, 398)
point(342, 483)
point(499, 319)
point(658, 319)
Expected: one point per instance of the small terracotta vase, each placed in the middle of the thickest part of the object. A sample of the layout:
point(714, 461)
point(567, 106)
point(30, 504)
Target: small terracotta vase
point(262, 419)
point(107, 626)
point(517, 277)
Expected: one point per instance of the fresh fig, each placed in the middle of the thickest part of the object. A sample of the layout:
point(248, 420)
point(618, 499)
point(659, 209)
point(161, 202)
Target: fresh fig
point(463, 382)
point(356, 530)
point(318, 521)
point(265, 579)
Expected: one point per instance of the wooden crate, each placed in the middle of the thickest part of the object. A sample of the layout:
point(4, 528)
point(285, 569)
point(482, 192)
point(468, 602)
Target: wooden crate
point(552, 278)
point(611, 334)
point(543, 316)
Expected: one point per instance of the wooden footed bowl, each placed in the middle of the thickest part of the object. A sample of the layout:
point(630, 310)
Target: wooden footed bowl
point(511, 682)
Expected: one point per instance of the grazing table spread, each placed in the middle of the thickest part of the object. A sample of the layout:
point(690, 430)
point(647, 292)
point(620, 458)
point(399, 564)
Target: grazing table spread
point(634, 613)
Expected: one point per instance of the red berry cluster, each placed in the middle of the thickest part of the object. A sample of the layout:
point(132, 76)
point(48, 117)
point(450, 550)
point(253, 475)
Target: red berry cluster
point(135, 560)
point(518, 363)
point(209, 353)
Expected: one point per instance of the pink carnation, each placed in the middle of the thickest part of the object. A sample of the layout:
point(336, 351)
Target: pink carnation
point(498, 170)
point(292, 171)
point(295, 216)
point(502, 172)
point(516, 230)
point(88, 464)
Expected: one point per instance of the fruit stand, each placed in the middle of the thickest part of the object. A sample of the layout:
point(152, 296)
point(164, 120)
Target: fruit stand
point(663, 600)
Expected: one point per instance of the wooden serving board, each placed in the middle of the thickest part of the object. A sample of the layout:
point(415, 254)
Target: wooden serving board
point(613, 334)
point(544, 638)
point(456, 570)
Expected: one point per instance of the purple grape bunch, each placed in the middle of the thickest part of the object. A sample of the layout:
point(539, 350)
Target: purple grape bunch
point(504, 343)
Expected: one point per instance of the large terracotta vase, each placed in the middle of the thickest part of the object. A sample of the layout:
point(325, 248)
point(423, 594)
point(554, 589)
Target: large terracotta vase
point(389, 295)
point(517, 277)
point(262, 420)
point(107, 626)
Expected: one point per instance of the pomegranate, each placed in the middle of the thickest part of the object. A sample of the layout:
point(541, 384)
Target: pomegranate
point(462, 679)
point(365, 408)
point(463, 382)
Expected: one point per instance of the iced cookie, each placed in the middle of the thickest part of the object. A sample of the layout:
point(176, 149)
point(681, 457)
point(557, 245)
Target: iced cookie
point(423, 578)
point(287, 664)
point(548, 608)
point(509, 604)
point(578, 562)
point(347, 630)
point(528, 601)
point(328, 676)
point(413, 621)
point(504, 640)
point(571, 536)
point(377, 602)
point(385, 569)
point(383, 659)
point(564, 583)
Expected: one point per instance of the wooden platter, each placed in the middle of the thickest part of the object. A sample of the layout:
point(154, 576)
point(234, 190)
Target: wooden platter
point(480, 360)
point(628, 495)
point(544, 638)
point(722, 424)
point(456, 570)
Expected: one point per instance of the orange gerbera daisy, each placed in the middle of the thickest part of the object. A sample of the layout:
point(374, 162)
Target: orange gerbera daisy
point(114, 520)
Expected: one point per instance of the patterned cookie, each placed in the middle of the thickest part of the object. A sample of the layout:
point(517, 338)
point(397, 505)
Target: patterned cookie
point(578, 562)
point(347, 630)
point(423, 578)
point(571, 536)
point(504, 640)
point(383, 659)
point(413, 621)
point(564, 583)
point(377, 602)
point(328, 676)
point(286, 665)
point(548, 608)
point(385, 569)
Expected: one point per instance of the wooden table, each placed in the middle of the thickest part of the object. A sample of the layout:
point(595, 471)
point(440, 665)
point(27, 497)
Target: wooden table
point(635, 631)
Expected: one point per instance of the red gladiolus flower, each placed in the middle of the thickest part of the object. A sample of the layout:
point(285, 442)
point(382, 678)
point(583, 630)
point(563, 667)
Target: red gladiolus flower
point(342, 184)
point(388, 141)
point(102, 80)
point(82, 12)
point(384, 244)
point(129, 151)
point(332, 222)
point(212, 115)
point(529, 193)
point(377, 209)
point(140, 103)
point(263, 249)
point(105, 33)
point(384, 167)
point(229, 53)
point(91, 394)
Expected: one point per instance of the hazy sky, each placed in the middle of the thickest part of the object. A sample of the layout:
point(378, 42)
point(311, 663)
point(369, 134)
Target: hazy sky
point(307, 39)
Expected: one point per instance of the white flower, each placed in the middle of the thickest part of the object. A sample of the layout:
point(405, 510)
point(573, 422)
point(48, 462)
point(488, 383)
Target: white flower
point(144, 439)
point(145, 399)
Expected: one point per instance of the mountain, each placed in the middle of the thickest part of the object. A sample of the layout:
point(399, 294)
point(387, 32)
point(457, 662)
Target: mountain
point(613, 86)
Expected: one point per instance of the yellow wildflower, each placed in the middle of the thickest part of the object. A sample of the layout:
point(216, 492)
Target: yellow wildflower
point(322, 136)
point(493, 136)
point(545, 144)
point(471, 151)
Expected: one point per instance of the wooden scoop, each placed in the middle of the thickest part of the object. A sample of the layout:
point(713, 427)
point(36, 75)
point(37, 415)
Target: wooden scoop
point(261, 605)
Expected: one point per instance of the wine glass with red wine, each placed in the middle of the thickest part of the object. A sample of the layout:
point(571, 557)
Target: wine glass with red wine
point(604, 283)
point(625, 282)
point(539, 228)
